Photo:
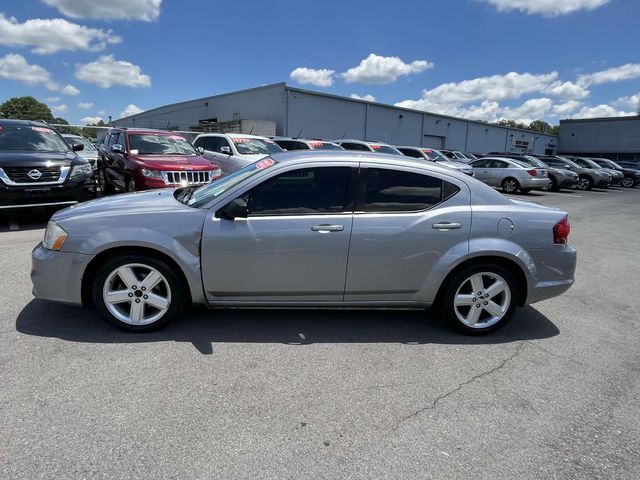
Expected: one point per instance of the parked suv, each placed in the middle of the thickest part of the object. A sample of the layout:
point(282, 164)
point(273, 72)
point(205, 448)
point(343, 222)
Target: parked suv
point(232, 151)
point(616, 177)
point(364, 146)
point(89, 152)
point(588, 178)
point(560, 177)
point(39, 169)
point(305, 144)
point(631, 176)
point(136, 159)
point(436, 156)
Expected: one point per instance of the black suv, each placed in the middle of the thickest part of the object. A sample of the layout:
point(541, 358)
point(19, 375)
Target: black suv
point(38, 168)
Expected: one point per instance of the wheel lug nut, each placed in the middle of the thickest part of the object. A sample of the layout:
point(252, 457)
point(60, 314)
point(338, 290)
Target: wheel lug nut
point(137, 300)
point(143, 288)
point(486, 303)
point(479, 294)
point(145, 296)
point(477, 305)
point(475, 299)
point(134, 287)
point(131, 294)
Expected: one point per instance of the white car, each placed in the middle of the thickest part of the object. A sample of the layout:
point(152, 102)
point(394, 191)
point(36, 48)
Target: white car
point(232, 151)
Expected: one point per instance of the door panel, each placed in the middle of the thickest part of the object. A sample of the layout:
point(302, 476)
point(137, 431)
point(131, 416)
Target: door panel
point(392, 253)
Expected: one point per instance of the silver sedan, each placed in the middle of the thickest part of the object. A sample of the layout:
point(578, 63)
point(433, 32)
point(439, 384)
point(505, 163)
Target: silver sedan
point(510, 175)
point(309, 229)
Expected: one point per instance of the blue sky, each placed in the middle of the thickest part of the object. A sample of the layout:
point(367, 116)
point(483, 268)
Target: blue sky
point(482, 59)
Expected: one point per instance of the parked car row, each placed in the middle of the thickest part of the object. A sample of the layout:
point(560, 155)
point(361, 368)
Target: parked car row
point(38, 166)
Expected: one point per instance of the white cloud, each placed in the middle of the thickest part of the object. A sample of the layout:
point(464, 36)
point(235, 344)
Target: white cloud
point(615, 74)
point(85, 105)
point(563, 109)
point(46, 36)
point(376, 69)
point(102, 112)
point(52, 99)
point(547, 8)
point(601, 111)
point(308, 76)
point(146, 10)
point(15, 67)
point(130, 110)
point(90, 120)
point(532, 109)
point(631, 102)
point(568, 90)
point(106, 71)
point(62, 108)
point(368, 97)
point(70, 90)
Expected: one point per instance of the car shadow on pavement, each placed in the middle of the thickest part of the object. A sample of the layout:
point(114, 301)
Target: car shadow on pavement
point(206, 328)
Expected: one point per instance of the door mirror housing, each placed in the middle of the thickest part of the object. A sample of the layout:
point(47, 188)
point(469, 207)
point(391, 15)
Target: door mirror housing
point(226, 150)
point(117, 148)
point(76, 147)
point(201, 150)
point(237, 208)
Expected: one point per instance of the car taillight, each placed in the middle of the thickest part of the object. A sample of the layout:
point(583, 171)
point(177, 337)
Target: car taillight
point(533, 172)
point(561, 231)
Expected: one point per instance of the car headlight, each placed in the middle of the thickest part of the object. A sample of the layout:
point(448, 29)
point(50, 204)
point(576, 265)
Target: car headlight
point(216, 173)
point(155, 174)
point(80, 170)
point(54, 236)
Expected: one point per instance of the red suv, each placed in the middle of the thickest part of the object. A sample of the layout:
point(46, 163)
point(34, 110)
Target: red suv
point(135, 159)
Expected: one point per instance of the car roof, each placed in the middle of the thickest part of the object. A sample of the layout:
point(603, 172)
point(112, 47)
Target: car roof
point(231, 135)
point(353, 140)
point(497, 157)
point(12, 121)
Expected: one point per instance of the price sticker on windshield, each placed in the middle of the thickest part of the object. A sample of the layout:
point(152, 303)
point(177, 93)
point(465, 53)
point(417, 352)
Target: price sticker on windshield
point(42, 129)
point(241, 140)
point(266, 163)
point(175, 137)
point(376, 147)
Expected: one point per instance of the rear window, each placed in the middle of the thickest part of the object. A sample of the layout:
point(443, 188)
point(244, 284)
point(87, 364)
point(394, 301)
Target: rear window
point(324, 146)
point(384, 149)
point(255, 146)
point(31, 138)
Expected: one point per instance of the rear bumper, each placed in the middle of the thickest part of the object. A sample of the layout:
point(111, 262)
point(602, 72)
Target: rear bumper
point(535, 182)
point(48, 267)
point(554, 272)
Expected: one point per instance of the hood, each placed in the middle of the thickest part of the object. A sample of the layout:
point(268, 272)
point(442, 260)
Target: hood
point(143, 203)
point(254, 157)
point(173, 162)
point(36, 159)
point(455, 165)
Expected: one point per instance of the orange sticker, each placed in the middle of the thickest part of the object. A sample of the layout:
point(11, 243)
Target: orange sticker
point(266, 163)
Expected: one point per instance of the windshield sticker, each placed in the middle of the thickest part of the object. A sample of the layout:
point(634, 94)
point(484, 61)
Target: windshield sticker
point(266, 163)
point(42, 129)
point(376, 147)
point(315, 144)
point(176, 137)
point(426, 150)
point(241, 140)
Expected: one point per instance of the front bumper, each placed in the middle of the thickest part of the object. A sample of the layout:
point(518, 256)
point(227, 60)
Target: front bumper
point(49, 267)
point(567, 181)
point(602, 182)
point(70, 192)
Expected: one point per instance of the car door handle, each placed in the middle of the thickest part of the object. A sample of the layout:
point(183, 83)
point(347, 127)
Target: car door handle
point(327, 228)
point(446, 226)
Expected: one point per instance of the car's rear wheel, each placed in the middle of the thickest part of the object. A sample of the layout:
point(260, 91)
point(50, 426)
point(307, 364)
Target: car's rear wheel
point(480, 299)
point(585, 183)
point(510, 185)
point(553, 187)
point(131, 185)
point(628, 182)
point(105, 186)
point(138, 293)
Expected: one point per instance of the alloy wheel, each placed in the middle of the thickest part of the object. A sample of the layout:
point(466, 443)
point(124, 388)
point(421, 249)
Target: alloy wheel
point(627, 182)
point(136, 294)
point(482, 300)
point(510, 186)
point(583, 184)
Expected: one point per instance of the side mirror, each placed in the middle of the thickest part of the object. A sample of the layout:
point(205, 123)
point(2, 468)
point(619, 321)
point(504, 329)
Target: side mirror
point(226, 150)
point(237, 208)
point(201, 150)
point(117, 148)
point(76, 147)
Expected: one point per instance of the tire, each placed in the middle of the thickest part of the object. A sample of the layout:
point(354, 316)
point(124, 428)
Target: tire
point(460, 291)
point(105, 186)
point(628, 182)
point(123, 279)
point(510, 185)
point(131, 185)
point(554, 185)
point(585, 183)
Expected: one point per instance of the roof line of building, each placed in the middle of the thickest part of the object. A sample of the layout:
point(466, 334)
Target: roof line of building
point(601, 119)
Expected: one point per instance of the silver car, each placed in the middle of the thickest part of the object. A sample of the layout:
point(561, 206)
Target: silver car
point(433, 155)
point(89, 152)
point(309, 229)
point(232, 151)
point(510, 175)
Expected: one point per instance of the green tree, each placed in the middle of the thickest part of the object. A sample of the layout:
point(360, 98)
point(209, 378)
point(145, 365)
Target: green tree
point(539, 126)
point(26, 108)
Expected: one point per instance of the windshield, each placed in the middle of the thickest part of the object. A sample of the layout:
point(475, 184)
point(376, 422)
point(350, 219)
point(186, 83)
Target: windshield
point(535, 161)
point(459, 155)
point(31, 138)
point(207, 193)
point(255, 146)
point(613, 164)
point(324, 146)
point(159, 144)
point(435, 155)
point(87, 144)
point(384, 149)
point(570, 164)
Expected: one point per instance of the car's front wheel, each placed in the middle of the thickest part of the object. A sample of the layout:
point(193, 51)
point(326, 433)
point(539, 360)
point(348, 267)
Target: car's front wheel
point(103, 183)
point(628, 182)
point(585, 183)
point(480, 299)
point(138, 292)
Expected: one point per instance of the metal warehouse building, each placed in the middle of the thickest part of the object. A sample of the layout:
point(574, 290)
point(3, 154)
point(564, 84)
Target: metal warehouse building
point(617, 138)
point(279, 109)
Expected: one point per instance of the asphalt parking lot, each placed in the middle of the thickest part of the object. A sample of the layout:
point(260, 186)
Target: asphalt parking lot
point(332, 394)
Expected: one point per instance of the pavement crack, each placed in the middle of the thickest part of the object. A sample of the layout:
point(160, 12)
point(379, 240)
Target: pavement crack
point(460, 386)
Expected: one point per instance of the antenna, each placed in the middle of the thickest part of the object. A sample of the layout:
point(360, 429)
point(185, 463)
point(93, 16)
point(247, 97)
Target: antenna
point(638, 111)
point(299, 133)
point(251, 131)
